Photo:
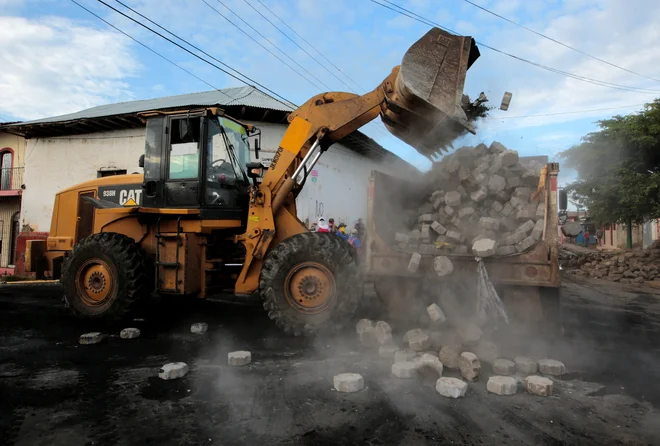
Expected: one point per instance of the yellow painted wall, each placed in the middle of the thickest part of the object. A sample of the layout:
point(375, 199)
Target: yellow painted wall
point(9, 206)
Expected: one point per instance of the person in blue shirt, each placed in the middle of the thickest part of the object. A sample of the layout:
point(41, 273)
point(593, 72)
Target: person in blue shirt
point(341, 231)
point(353, 239)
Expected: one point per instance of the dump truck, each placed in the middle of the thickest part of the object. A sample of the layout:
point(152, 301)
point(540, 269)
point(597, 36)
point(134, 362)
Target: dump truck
point(204, 220)
point(528, 281)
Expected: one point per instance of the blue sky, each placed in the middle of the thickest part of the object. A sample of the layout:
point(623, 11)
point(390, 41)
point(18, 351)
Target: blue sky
point(57, 58)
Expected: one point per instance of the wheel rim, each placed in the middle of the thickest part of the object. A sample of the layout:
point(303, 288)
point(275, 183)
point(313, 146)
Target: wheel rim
point(94, 282)
point(310, 287)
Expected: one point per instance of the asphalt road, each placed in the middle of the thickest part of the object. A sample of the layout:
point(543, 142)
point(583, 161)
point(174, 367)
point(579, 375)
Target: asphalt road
point(54, 391)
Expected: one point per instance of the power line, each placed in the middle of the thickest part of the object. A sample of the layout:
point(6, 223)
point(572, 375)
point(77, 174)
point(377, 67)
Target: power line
point(566, 112)
point(558, 42)
point(311, 46)
point(427, 22)
point(298, 45)
point(269, 41)
point(148, 48)
point(198, 56)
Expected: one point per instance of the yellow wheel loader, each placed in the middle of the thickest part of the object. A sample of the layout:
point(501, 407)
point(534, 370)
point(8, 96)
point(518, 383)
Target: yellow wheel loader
point(203, 220)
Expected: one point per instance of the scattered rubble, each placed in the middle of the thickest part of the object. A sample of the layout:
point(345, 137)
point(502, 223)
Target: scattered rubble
point(539, 385)
point(429, 364)
point(129, 333)
point(199, 327)
point(383, 333)
point(502, 385)
point(630, 267)
point(173, 370)
point(419, 342)
point(348, 382)
point(387, 351)
point(91, 338)
point(526, 365)
point(435, 313)
point(404, 370)
point(449, 357)
point(451, 387)
point(411, 333)
point(469, 365)
point(504, 367)
point(239, 358)
point(551, 367)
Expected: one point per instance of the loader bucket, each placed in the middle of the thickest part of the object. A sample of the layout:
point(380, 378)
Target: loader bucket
point(424, 107)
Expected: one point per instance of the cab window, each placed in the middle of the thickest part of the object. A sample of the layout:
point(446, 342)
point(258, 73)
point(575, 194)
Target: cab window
point(184, 148)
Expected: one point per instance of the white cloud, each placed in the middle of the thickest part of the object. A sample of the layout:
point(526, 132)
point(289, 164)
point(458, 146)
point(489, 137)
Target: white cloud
point(52, 65)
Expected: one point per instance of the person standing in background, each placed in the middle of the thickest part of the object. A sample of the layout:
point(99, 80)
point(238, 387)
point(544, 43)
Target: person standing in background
point(331, 225)
point(322, 226)
point(361, 229)
point(599, 236)
point(341, 231)
point(586, 238)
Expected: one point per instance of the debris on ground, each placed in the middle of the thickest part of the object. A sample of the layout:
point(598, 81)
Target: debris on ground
point(91, 338)
point(387, 351)
point(410, 333)
point(239, 358)
point(469, 365)
point(449, 357)
point(551, 367)
point(451, 387)
point(630, 267)
point(348, 382)
point(429, 364)
point(404, 370)
point(504, 367)
point(419, 342)
point(502, 385)
point(199, 327)
point(129, 333)
point(539, 385)
point(173, 370)
point(525, 365)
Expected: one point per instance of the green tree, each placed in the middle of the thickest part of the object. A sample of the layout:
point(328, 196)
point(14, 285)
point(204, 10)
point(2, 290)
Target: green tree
point(618, 168)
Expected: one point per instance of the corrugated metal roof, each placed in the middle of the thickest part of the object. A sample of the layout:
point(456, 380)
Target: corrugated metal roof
point(247, 96)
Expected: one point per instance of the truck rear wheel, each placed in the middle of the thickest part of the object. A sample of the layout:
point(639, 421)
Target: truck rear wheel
point(310, 283)
point(104, 276)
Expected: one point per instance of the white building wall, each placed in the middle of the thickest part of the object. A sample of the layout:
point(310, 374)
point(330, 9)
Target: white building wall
point(338, 186)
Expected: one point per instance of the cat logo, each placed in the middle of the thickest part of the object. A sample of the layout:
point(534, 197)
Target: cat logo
point(124, 195)
point(130, 202)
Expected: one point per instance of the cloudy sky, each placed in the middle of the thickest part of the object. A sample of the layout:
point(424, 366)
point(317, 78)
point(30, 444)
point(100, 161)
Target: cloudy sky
point(56, 58)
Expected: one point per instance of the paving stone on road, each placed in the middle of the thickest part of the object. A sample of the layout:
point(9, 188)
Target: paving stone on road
point(451, 387)
point(173, 370)
point(504, 367)
point(469, 365)
point(539, 385)
point(449, 357)
point(91, 338)
point(199, 327)
point(502, 385)
point(404, 370)
point(129, 333)
point(551, 367)
point(526, 365)
point(239, 358)
point(348, 382)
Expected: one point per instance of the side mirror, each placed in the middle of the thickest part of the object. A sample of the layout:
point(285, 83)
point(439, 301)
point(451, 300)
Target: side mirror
point(141, 161)
point(562, 198)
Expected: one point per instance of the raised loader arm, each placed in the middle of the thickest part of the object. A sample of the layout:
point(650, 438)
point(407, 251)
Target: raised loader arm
point(421, 102)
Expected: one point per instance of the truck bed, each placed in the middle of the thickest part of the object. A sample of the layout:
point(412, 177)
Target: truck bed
point(390, 197)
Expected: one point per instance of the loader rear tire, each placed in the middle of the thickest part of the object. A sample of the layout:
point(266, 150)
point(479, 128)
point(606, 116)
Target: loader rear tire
point(310, 284)
point(104, 276)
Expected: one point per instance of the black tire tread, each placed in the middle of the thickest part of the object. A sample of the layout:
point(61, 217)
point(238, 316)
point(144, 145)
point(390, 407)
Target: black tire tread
point(127, 256)
point(336, 254)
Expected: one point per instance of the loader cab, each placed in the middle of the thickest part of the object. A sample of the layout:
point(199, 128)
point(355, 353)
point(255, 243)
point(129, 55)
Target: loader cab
point(197, 160)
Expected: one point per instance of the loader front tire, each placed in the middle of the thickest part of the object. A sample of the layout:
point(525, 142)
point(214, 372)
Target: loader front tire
point(310, 284)
point(104, 276)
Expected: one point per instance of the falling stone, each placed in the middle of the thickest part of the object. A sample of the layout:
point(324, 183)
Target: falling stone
point(239, 358)
point(404, 356)
point(415, 260)
point(410, 333)
point(91, 338)
point(504, 367)
point(451, 387)
point(526, 365)
point(388, 351)
point(419, 343)
point(199, 327)
point(435, 313)
point(383, 332)
point(508, 158)
point(173, 370)
point(502, 385)
point(496, 183)
point(453, 198)
point(484, 248)
point(129, 333)
point(348, 382)
point(443, 266)
point(449, 357)
point(470, 366)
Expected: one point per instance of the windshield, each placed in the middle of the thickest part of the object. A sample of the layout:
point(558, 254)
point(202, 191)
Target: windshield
point(228, 151)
